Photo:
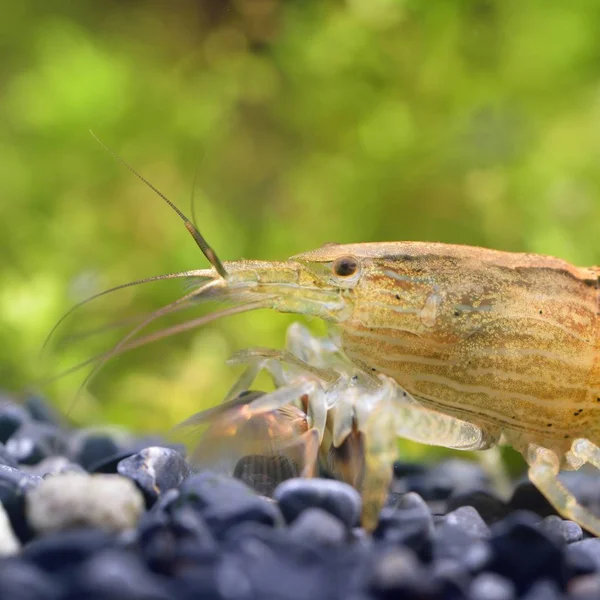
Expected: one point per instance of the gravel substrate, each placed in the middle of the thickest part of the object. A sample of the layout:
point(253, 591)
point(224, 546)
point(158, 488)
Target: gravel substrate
point(86, 515)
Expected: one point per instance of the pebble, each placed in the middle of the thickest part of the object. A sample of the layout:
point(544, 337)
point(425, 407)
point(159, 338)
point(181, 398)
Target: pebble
point(335, 497)
point(34, 441)
point(149, 529)
point(223, 502)
point(523, 553)
point(14, 484)
point(9, 544)
point(409, 524)
point(12, 416)
point(89, 448)
point(72, 500)
point(489, 506)
point(22, 580)
point(469, 521)
point(491, 586)
point(586, 551)
point(316, 526)
point(115, 573)
point(565, 531)
point(63, 550)
point(398, 573)
point(6, 458)
point(527, 497)
point(40, 410)
point(155, 470)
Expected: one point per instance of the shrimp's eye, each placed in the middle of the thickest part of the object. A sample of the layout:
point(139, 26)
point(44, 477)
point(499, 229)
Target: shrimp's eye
point(345, 266)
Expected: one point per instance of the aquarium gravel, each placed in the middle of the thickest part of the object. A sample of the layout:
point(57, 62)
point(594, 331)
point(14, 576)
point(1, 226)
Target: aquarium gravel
point(88, 514)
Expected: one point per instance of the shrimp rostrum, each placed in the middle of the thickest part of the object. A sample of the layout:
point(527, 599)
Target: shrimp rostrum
point(448, 345)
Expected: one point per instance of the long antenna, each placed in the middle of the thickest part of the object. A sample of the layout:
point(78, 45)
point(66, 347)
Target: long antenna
point(198, 237)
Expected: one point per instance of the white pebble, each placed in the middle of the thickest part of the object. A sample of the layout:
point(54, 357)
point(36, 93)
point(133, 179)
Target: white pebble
point(72, 500)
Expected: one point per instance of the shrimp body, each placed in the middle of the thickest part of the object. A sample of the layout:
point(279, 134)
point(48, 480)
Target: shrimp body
point(449, 345)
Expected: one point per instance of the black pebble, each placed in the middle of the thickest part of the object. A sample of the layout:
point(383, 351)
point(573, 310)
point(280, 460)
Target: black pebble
point(92, 448)
point(21, 580)
point(41, 411)
point(34, 441)
point(118, 574)
point(12, 416)
point(223, 501)
point(409, 524)
point(335, 497)
point(469, 520)
point(565, 531)
point(155, 470)
point(6, 457)
point(489, 507)
point(523, 553)
point(318, 527)
point(527, 497)
point(62, 550)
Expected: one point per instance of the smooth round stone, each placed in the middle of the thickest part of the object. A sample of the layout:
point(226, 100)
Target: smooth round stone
point(108, 465)
point(21, 580)
point(6, 458)
point(315, 526)
point(404, 469)
point(53, 465)
point(397, 572)
point(174, 537)
point(527, 497)
point(489, 507)
point(584, 555)
point(491, 586)
point(14, 484)
point(460, 475)
point(223, 502)
point(9, 544)
point(71, 500)
point(523, 553)
point(408, 524)
point(93, 448)
point(451, 541)
point(543, 590)
point(155, 470)
point(34, 441)
point(63, 550)
point(12, 416)
point(335, 497)
point(565, 531)
point(585, 486)
point(470, 521)
point(41, 411)
point(114, 573)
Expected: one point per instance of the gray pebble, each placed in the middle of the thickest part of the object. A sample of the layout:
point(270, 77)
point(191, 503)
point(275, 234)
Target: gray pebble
point(491, 586)
point(318, 527)
point(470, 521)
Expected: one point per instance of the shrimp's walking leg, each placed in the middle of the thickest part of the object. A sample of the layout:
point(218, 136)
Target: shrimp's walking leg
point(419, 424)
point(408, 419)
point(543, 472)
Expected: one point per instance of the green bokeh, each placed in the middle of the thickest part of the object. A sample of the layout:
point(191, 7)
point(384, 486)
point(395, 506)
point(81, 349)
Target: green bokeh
point(471, 121)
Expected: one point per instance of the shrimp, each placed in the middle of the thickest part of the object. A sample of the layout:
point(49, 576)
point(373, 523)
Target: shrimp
point(448, 345)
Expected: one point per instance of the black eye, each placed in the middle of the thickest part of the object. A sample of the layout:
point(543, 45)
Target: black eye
point(345, 266)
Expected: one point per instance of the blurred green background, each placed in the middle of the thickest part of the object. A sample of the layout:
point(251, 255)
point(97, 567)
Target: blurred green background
point(464, 121)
